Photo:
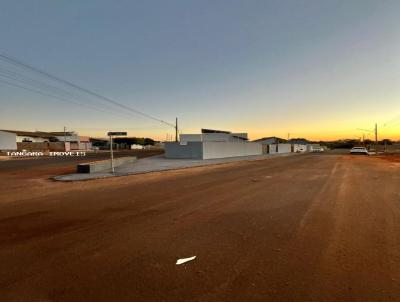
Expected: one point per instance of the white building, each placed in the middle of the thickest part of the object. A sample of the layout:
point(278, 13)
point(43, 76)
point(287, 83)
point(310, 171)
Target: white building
point(74, 141)
point(271, 140)
point(136, 146)
point(30, 137)
point(208, 136)
point(212, 144)
point(279, 148)
point(274, 145)
point(299, 148)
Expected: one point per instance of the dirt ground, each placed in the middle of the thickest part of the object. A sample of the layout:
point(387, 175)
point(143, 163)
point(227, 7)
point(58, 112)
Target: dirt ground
point(28, 173)
point(26, 167)
point(310, 227)
point(391, 157)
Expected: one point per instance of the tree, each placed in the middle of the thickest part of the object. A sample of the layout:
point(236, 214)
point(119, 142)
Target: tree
point(149, 141)
point(386, 142)
point(134, 140)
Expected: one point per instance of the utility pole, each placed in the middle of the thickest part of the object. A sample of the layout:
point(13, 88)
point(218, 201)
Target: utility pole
point(176, 129)
point(376, 138)
point(65, 134)
point(288, 135)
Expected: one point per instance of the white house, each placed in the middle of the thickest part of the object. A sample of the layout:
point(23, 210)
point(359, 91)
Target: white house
point(273, 145)
point(212, 144)
point(71, 137)
point(270, 140)
point(32, 137)
point(75, 142)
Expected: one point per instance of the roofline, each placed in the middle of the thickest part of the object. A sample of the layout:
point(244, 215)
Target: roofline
point(34, 133)
point(269, 137)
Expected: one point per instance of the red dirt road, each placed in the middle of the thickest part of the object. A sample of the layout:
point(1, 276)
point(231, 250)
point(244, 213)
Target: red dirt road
point(300, 228)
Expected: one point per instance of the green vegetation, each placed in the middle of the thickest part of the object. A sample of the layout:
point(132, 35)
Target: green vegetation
point(134, 140)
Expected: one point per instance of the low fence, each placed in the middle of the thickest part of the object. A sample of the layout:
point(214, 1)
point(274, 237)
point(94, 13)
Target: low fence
point(104, 165)
point(45, 146)
point(81, 146)
point(385, 148)
point(53, 146)
point(390, 148)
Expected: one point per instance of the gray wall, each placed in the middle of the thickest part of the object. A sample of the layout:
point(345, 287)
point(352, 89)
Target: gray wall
point(8, 141)
point(284, 148)
point(193, 150)
point(230, 149)
point(209, 150)
point(280, 148)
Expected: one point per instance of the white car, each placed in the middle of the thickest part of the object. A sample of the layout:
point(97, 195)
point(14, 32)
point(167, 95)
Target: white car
point(359, 150)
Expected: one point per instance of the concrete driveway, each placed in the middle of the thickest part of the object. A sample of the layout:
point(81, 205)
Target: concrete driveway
point(160, 163)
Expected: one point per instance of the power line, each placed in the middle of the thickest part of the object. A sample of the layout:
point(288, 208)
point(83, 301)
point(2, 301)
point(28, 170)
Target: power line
point(367, 130)
point(393, 120)
point(38, 91)
point(50, 95)
point(116, 128)
point(87, 91)
point(32, 82)
point(53, 89)
point(38, 87)
point(396, 124)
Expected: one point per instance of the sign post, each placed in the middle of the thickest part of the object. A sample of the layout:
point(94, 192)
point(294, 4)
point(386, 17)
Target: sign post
point(111, 134)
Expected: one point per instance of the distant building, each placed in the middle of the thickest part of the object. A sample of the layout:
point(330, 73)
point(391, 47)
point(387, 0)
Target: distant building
point(136, 146)
point(300, 145)
point(273, 144)
point(71, 137)
point(270, 140)
point(299, 141)
point(31, 137)
point(75, 142)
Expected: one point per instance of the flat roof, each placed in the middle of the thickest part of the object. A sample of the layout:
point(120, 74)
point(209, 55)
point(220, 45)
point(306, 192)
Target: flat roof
point(37, 133)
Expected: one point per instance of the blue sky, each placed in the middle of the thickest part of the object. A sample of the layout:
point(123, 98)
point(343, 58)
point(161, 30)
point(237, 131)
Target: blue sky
point(317, 69)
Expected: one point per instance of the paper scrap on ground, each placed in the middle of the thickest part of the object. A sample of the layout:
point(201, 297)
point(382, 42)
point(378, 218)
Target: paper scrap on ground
point(183, 260)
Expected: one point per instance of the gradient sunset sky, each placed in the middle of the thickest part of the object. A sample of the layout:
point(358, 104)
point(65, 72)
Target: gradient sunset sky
point(315, 69)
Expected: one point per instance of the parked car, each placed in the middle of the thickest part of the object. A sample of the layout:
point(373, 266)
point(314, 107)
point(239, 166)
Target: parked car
point(359, 150)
